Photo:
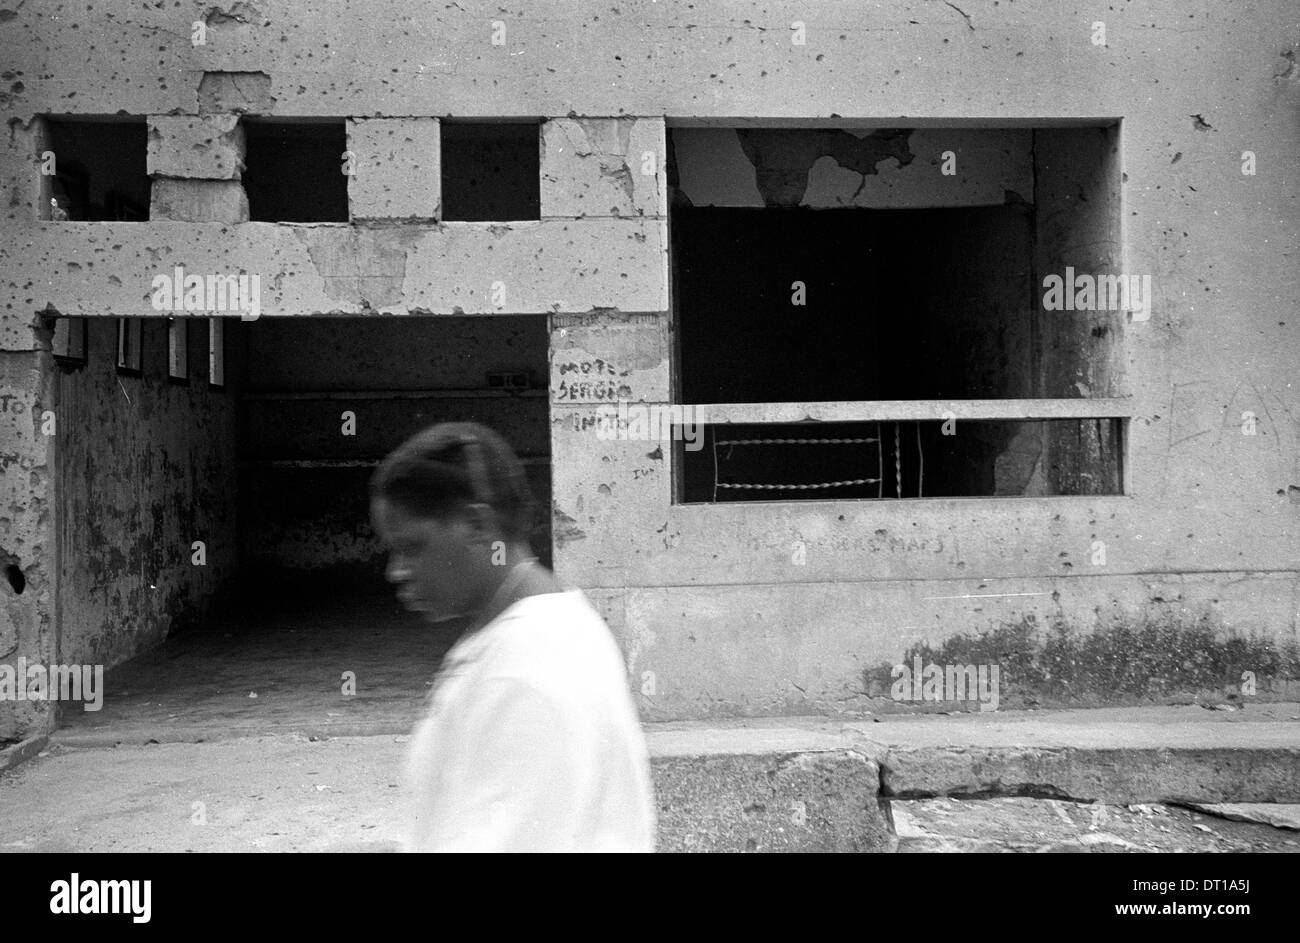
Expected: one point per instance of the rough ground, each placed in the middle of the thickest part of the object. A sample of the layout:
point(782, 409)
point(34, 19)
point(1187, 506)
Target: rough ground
point(1047, 825)
point(292, 793)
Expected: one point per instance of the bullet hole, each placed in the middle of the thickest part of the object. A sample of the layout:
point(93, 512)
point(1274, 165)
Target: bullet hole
point(17, 582)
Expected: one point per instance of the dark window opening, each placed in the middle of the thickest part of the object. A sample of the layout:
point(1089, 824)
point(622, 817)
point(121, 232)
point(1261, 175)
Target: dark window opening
point(896, 304)
point(491, 172)
point(97, 169)
point(294, 171)
point(906, 459)
point(842, 266)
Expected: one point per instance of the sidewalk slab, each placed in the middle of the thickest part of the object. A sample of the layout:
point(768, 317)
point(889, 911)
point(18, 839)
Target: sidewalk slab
point(1118, 755)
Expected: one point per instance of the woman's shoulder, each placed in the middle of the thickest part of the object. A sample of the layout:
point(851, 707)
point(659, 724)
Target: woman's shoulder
point(552, 635)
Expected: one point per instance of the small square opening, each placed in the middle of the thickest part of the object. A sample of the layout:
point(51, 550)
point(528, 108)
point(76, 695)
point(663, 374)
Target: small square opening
point(96, 169)
point(294, 171)
point(491, 172)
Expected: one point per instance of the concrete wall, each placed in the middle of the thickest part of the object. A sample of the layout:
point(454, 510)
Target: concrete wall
point(716, 615)
point(146, 467)
point(29, 589)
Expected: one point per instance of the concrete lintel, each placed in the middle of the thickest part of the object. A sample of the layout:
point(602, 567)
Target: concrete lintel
point(198, 201)
point(872, 122)
point(910, 410)
point(107, 269)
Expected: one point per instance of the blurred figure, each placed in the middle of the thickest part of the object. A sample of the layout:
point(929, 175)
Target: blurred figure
point(531, 740)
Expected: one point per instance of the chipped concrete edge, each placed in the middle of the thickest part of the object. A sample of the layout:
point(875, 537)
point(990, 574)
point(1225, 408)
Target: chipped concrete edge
point(21, 752)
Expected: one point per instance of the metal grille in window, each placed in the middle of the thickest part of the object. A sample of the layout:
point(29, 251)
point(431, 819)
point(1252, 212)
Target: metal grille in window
point(872, 457)
point(872, 462)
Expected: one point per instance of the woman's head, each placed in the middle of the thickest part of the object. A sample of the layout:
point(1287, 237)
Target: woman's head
point(447, 504)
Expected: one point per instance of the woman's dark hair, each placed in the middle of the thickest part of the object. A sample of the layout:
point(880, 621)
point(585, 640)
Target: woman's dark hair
point(443, 468)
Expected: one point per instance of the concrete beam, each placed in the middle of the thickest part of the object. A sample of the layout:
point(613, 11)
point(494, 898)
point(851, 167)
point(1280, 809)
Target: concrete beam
point(396, 168)
point(671, 58)
point(198, 201)
point(908, 410)
point(106, 269)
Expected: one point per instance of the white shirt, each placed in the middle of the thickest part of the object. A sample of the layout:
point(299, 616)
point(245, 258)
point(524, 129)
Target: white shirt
point(531, 741)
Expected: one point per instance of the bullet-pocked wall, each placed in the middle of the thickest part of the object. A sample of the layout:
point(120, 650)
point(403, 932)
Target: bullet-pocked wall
point(1196, 553)
point(147, 539)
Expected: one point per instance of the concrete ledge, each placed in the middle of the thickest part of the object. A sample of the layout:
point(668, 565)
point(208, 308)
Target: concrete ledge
point(1120, 776)
point(1119, 755)
point(21, 752)
point(763, 802)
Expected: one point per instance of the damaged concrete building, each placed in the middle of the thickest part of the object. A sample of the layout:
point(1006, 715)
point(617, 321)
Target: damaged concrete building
point(249, 248)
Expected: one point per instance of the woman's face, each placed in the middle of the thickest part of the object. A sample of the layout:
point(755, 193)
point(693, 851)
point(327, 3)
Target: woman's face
point(436, 564)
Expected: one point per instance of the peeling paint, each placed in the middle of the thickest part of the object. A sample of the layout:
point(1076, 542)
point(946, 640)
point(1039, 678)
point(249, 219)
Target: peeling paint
point(565, 528)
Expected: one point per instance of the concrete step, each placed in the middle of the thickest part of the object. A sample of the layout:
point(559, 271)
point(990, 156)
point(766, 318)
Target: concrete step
point(806, 784)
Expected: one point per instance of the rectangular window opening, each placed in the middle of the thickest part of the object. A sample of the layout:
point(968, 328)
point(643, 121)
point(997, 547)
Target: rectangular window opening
point(216, 353)
point(178, 349)
point(294, 170)
point(733, 462)
point(890, 268)
point(95, 169)
point(130, 334)
point(491, 171)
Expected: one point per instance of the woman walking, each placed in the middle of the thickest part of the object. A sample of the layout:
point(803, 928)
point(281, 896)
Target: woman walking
point(530, 741)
